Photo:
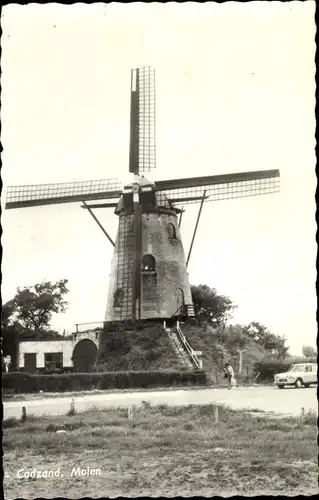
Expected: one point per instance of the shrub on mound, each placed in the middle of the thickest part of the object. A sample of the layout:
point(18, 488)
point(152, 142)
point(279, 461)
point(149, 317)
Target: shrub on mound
point(20, 382)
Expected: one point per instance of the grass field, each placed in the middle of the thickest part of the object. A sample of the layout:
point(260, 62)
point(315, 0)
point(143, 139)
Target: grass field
point(163, 450)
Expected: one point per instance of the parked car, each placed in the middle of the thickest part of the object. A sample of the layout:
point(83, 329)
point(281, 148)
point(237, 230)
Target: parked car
point(298, 375)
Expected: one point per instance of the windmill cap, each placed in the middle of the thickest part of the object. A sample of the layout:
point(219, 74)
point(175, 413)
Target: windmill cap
point(143, 182)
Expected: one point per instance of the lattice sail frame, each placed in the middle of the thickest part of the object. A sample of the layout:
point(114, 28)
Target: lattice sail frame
point(143, 121)
point(217, 191)
point(46, 194)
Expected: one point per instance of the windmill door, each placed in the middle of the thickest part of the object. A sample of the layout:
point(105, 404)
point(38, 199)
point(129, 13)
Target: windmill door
point(179, 294)
point(30, 362)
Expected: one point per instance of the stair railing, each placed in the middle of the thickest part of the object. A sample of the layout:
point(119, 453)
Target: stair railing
point(180, 310)
point(183, 310)
point(177, 345)
point(196, 361)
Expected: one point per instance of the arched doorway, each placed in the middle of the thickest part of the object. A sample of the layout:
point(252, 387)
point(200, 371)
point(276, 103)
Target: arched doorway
point(84, 356)
point(179, 296)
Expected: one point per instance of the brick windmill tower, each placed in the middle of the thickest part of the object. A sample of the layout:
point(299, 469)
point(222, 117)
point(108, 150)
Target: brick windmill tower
point(149, 279)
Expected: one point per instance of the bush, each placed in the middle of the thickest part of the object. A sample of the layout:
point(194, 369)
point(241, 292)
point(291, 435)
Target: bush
point(65, 369)
point(19, 382)
point(22, 382)
point(268, 368)
point(10, 423)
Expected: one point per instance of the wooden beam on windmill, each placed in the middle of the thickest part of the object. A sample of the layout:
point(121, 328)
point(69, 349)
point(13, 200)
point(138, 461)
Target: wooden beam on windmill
point(180, 217)
point(99, 205)
point(134, 122)
point(99, 223)
point(136, 278)
point(195, 228)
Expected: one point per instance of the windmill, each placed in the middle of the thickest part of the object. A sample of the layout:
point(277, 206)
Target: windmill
point(149, 278)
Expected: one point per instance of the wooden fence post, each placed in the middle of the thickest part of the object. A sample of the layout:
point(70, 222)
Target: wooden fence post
point(216, 415)
point(24, 414)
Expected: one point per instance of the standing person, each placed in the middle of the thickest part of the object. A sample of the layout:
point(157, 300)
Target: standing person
point(230, 375)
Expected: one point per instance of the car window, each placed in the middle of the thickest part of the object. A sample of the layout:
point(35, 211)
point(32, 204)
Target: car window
point(297, 368)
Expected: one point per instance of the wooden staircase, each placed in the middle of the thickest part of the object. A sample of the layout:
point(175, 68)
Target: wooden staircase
point(189, 310)
point(186, 311)
point(178, 348)
point(183, 350)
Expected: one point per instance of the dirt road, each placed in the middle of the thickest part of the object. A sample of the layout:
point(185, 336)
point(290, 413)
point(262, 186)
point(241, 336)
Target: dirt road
point(270, 399)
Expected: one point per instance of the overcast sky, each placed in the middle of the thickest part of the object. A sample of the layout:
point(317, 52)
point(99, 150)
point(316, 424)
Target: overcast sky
point(235, 92)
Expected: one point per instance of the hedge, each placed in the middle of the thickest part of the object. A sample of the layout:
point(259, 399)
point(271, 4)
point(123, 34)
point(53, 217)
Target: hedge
point(22, 382)
point(268, 368)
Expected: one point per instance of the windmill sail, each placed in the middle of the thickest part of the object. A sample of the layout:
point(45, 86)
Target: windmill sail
point(66, 192)
point(143, 116)
point(219, 187)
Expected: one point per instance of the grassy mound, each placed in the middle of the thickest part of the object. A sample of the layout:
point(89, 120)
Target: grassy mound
point(149, 349)
point(218, 348)
point(144, 349)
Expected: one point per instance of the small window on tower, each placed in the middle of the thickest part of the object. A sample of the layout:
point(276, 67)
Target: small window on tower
point(148, 263)
point(171, 231)
point(118, 298)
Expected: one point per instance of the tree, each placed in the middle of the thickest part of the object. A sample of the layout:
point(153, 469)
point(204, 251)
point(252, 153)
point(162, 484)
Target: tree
point(272, 343)
point(257, 332)
point(281, 350)
point(10, 333)
point(7, 312)
point(309, 351)
point(29, 313)
point(210, 306)
point(236, 337)
point(34, 306)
